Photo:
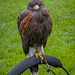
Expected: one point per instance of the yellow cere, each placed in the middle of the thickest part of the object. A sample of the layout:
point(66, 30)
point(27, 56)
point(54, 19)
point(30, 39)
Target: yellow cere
point(36, 7)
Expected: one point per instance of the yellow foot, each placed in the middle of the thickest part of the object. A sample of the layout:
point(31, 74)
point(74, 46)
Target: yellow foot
point(38, 54)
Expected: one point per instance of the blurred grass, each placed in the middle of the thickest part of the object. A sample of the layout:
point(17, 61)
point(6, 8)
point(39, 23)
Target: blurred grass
point(60, 44)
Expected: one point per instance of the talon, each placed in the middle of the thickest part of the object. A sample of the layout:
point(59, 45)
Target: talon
point(38, 54)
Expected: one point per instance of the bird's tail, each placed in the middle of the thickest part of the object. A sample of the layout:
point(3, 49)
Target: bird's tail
point(34, 70)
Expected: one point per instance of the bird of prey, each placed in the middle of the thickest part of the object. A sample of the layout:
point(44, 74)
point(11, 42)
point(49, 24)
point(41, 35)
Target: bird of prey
point(34, 25)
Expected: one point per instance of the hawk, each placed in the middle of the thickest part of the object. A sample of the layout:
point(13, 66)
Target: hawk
point(34, 25)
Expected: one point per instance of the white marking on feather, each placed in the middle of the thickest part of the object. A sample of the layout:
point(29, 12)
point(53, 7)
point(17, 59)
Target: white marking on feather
point(42, 49)
point(34, 73)
point(32, 51)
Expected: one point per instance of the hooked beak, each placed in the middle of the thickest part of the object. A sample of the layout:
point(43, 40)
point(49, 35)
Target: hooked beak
point(36, 7)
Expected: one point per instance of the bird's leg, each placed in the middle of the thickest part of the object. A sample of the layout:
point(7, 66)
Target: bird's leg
point(38, 54)
point(42, 58)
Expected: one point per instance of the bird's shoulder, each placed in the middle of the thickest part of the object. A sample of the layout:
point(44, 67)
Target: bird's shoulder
point(21, 16)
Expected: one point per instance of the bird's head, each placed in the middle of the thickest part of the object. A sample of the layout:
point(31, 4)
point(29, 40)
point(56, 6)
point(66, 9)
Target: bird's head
point(35, 5)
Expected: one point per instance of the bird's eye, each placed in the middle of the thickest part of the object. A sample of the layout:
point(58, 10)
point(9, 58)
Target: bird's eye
point(40, 4)
point(31, 5)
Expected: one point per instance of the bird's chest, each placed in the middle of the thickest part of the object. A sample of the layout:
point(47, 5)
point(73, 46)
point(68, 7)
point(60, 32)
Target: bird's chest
point(38, 29)
point(37, 34)
point(38, 25)
point(38, 16)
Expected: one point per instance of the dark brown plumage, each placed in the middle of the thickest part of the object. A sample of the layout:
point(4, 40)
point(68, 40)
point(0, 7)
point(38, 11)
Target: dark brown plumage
point(34, 25)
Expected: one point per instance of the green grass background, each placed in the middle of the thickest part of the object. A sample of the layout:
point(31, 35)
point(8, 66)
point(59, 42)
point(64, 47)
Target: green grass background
point(60, 44)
